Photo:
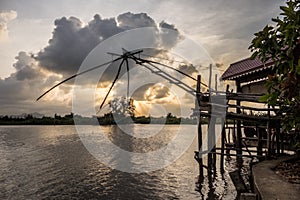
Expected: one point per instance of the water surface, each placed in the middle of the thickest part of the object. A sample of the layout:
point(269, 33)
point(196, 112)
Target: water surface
point(50, 162)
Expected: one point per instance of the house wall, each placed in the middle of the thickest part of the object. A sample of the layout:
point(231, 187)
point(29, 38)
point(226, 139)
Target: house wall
point(255, 88)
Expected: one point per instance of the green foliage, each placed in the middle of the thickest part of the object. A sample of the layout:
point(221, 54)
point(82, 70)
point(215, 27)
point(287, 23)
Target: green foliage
point(281, 43)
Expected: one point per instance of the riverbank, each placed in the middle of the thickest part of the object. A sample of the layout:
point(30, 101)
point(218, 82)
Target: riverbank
point(271, 186)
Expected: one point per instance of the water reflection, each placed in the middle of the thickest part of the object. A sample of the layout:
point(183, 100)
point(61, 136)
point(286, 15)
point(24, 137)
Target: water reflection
point(216, 184)
point(124, 137)
point(42, 162)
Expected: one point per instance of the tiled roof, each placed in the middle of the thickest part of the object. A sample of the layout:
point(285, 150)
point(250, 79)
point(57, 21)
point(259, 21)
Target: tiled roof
point(245, 67)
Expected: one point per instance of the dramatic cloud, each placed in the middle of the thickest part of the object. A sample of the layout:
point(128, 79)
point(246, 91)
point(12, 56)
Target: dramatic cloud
point(224, 28)
point(139, 93)
point(20, 89)
point(149, 92)
point(104, 28)
point(70, 44)
point(5, 17)
point(72, 40)
point(169, 35)
point(188, 69)
point(129, 20)
point(156, 92)
point(26, 67)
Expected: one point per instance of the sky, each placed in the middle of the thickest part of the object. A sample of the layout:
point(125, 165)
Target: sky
point(42, 42)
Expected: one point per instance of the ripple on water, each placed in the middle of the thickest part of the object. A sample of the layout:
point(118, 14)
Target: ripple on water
point(50, 162)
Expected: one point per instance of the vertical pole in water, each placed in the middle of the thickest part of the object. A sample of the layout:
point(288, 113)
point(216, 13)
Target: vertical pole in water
point(239, 129)
point(198, 92)
point(214, 155)
point(222, 148)
point(223, 136)
point(211, 129)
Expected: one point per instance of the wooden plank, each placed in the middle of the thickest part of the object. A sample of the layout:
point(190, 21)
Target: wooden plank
point(238, 181)
point(240, 116)
point(252, 108)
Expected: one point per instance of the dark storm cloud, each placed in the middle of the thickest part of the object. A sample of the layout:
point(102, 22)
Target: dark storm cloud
point(104, 28)
point(164, 24)
point(25, 67)
point(169, 36)
point(70, 44)
point(26, 83)
point(20, 89)
point(22, 60)
point(129, 20)
point(27, 73)
point(72, 41)
point(188, 69)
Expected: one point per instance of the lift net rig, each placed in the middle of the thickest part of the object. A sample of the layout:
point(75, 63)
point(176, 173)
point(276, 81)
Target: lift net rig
point(135, 55)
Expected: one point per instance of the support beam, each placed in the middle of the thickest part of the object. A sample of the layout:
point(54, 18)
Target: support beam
point(238, 128)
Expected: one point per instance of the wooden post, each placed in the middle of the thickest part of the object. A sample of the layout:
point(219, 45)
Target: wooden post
point(211, 126)
point(238, 126)
point(259, 142)
point(234, 132)
point(222, 149)
point(269, 141)
point(198, 100)
point(212, 143)
point(281, 140)
point(278, 138)
point(223, 135)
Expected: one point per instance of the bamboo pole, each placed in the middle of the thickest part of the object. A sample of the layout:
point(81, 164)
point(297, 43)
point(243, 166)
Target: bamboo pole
point(198, 99)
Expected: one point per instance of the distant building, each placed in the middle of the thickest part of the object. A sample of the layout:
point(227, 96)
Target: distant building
point(249, 75)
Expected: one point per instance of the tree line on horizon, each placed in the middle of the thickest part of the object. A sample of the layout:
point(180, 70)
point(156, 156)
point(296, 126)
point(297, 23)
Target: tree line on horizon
point(106, 119)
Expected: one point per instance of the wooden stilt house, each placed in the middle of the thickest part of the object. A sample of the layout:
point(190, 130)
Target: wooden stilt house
point(249, 75)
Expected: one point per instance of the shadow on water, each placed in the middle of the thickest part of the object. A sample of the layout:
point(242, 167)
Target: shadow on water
point(205, 186)
point(136, 185)
point(84, 177)
point(127, 138)
point(217, 185)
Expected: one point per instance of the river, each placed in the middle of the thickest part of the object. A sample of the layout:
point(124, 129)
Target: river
point(51, 162)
